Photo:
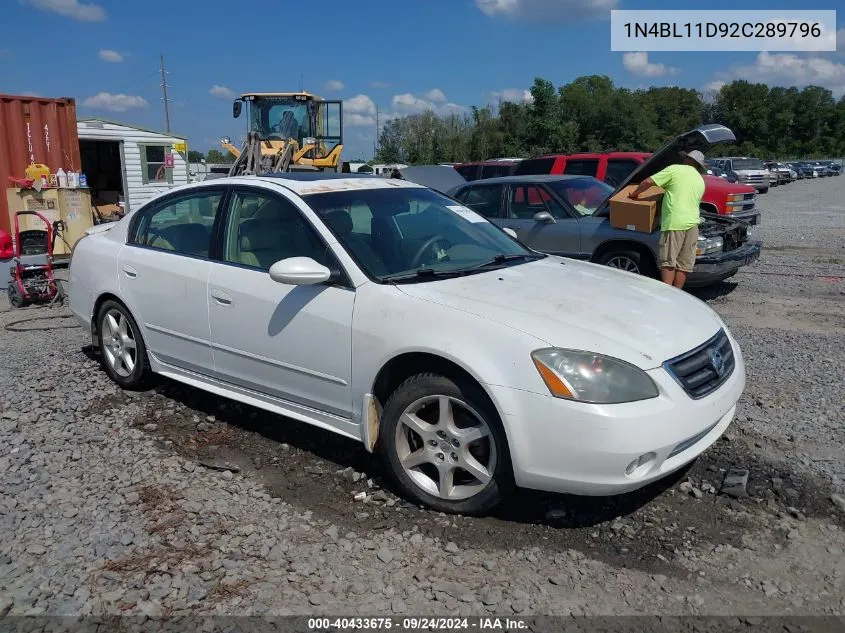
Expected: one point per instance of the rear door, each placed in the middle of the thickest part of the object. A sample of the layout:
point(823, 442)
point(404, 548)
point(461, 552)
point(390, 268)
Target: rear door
point(163, 271)
point(523, 203)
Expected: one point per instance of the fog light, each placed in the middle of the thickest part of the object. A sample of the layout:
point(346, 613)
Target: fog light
point(640, 463)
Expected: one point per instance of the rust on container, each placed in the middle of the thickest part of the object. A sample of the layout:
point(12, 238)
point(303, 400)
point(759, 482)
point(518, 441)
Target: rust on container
point(35, 130)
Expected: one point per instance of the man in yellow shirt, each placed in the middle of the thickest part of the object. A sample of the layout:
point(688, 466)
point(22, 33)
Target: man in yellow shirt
point(679, 215)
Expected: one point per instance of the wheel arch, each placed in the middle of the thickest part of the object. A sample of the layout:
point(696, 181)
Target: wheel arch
point(101, 299)
point(708, 207)
point(623, 244)
point(409, 363)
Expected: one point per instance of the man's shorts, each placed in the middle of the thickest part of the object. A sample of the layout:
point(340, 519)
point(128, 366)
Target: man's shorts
point(677, 249)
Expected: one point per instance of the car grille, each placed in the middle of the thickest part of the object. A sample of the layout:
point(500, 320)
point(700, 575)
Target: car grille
point(704, 369)
point(754, 178)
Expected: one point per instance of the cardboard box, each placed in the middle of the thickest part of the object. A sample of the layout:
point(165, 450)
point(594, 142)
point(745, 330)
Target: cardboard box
point(641, 215)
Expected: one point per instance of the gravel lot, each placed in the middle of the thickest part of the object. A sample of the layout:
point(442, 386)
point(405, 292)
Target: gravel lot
point(175, 501)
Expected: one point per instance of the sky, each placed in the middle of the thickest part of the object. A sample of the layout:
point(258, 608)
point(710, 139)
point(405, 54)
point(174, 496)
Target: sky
point(401, 57)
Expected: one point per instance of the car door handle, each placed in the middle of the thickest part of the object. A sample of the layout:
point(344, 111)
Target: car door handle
point(221, 298)
point(130, 272)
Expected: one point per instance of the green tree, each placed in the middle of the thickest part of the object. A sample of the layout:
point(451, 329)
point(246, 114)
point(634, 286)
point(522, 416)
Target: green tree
point(194, 156)
point(215, 156)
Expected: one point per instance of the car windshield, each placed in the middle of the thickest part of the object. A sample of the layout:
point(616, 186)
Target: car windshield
point(584, 194)
point(415, 232)
point(747, 163)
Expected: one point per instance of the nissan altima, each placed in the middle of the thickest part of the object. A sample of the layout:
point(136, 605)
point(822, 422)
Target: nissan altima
point(391, 314)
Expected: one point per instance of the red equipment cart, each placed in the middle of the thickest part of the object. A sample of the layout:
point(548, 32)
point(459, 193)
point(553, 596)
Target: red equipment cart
point(32, 283)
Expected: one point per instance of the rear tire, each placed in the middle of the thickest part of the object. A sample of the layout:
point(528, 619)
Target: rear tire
point(123, 351)
point(444, 445)
point(766, 190)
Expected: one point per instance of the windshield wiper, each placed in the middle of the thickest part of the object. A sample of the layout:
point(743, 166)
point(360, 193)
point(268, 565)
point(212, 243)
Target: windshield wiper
point(424, 273)
point(501, 258)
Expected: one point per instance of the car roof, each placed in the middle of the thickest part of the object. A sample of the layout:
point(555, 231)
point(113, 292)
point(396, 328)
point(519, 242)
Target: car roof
point(307, 182)
point(538, 178)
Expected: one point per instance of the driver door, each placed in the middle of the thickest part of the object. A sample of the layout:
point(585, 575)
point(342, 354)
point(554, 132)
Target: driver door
point(289, 343)
point(560, 237)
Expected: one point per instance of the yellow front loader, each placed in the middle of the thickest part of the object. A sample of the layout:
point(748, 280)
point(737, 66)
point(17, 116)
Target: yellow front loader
point(288, 131)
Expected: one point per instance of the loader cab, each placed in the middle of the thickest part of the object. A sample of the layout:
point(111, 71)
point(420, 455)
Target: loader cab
point(308, 119)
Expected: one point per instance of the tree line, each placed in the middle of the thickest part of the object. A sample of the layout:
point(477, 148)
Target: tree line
point(592, 114)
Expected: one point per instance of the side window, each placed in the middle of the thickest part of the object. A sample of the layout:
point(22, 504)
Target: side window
point(264, 228)
point(582, 167)
point(527, 201)
point(485, 200)
point(469, 172)
point(618, 170)
point(495, 171)
point(182, 225)
point(154, 164)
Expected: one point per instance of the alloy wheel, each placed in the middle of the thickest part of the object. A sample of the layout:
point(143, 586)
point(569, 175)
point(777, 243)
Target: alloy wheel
point(445, 447)
point(118, 342)
point(623, 262)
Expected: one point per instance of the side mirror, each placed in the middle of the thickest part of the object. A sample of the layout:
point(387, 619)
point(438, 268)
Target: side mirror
point(544, 217)
point(236, 108)
point(511, 232)
point(299, 271)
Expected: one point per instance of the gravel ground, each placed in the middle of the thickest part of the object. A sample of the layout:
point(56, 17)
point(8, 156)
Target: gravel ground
point(175, 502)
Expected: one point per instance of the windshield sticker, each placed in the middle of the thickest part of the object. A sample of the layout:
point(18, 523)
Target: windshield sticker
point(466, 213)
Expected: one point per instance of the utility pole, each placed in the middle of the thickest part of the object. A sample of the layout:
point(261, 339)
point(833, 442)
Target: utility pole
point(164, 90)
point(377, 131)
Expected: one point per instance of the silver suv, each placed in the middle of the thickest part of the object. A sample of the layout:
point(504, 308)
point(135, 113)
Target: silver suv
point(749, 171)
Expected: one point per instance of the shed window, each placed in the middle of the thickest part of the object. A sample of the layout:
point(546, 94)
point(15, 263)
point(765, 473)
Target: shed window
point(153, 166)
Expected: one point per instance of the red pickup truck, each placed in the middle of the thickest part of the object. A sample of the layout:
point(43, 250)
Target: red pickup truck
point(734, 200)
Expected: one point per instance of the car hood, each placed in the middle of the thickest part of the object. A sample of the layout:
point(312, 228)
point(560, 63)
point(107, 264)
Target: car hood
point(702, 139)
point(571, 304)
point(717, 183)
point(441, 178)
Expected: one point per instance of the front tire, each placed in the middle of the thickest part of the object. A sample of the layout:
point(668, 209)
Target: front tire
point(627, 260)
point(444, 445)
point(123, 352)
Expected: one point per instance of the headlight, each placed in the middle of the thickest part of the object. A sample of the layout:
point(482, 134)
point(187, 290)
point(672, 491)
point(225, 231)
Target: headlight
point(735, 198)
point(592, 378)
point(708, 245)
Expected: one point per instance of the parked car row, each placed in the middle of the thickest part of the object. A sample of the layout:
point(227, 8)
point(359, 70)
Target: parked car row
point(816, 169)
point(396, 316)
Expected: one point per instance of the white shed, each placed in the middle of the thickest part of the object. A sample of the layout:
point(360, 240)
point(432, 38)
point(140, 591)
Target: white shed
point(123, 162)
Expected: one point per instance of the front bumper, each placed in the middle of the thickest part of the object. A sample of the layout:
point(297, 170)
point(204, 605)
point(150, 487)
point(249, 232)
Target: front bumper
point(569, 447)
point(717, 266)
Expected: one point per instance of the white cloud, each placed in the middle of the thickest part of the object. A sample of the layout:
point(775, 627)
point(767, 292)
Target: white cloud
point(74, 9)
point(435, 95)
point(359, 104)
point(407, 103)
point(514, 95)
point(221, 92)
point(359, 120)
point(379, 85)
point(714, 86)
point(333, 85)
point(638, 64)
point(110, 56)
point(547, 10)
point(115, 102)
point(788, 69)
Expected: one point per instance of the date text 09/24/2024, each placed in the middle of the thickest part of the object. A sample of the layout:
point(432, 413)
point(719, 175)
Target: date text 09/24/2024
point(722, 29)
point(408, 623)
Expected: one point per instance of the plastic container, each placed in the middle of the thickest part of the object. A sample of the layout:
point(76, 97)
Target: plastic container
point(73, 180)
point(83, 180)
point(61, 176)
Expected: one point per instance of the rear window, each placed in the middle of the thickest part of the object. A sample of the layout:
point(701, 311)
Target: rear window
point(582, 167)
point(534, 166)
point(483, 199)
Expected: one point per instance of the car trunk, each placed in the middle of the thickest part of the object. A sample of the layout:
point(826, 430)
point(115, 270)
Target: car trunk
point(733, 232)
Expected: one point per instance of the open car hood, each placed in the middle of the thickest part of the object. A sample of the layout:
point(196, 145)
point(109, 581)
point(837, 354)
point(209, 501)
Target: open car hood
point(441, 178)
point(701, 138)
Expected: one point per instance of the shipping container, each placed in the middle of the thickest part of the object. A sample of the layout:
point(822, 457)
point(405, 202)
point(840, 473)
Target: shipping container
point(35, 130)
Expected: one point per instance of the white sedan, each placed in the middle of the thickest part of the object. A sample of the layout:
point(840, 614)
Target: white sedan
point(391, 314)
